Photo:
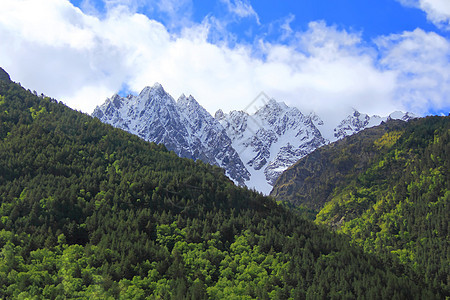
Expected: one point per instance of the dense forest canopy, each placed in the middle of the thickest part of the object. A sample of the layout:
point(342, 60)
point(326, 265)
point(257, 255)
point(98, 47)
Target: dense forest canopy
point(92, 211)
point(388, 188)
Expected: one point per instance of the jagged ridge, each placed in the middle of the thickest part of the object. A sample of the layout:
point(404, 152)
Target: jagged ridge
point(184, 127)
point(254, 149)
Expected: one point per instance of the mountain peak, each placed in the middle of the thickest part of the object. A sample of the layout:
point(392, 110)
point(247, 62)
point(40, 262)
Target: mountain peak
point(154, 96)
point(157, 86)
point(183, 126)
point(399, 115)
point(272, 107)
point(190, 107)
point(152, 90)
point(189, 101)
point(253, 148)
point(272, 103)
point(116, 100)
point(219, 115)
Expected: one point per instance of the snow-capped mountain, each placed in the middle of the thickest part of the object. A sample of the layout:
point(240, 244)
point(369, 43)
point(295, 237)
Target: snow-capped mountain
point(276, 136)
point(183, 126)
point(357, 122)
point(270, 140)
point(254, 149)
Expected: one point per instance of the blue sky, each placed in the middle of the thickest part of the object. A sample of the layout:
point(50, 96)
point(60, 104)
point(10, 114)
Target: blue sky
point(329, 56)
point(371, 18)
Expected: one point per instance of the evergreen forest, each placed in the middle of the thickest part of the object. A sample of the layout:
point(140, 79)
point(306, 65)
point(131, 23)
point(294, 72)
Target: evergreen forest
point(387, 188)
point(90, 211)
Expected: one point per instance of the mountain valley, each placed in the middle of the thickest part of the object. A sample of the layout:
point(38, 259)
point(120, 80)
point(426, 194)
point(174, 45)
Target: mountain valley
point(91, 211)
point(254, 149)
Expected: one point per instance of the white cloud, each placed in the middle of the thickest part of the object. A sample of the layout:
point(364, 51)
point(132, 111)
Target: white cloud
point(241, 8)
point(438, 11)
point(177, 12)
point(54, 48)
point(286, 30)
point(422, 63)
point(88, 7)
point(329, 71)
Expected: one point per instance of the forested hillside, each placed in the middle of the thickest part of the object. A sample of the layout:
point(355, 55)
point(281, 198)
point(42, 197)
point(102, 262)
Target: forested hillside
point(89, 211)
point(387, 188)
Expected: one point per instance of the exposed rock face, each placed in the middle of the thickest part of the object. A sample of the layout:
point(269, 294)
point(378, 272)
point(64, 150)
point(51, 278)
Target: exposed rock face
point(271, 140)
point(357, 122)
point(254, 149)
point(183, 127)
